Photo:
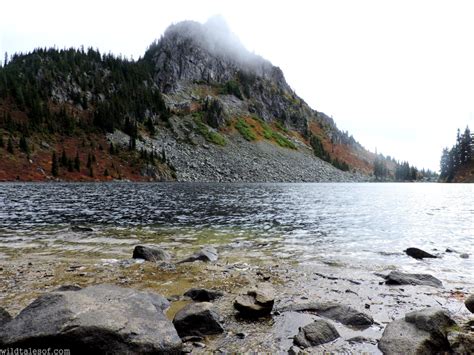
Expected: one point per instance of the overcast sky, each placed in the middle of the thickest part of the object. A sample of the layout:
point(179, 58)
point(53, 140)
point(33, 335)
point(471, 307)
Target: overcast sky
point(398, 75)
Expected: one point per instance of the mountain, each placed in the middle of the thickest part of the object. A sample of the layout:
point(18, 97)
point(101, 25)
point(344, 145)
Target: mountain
point(197, 107)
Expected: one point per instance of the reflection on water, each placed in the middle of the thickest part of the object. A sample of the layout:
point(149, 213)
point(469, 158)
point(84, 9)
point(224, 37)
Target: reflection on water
point(351, 224)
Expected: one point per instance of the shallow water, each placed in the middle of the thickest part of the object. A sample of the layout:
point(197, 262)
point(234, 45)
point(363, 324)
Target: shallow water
point(352, 225)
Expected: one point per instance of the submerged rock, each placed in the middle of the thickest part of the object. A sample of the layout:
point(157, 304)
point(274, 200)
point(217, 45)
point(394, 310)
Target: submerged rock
point(96, 319)
point(338, 312)
point(420, 332)
point(203, 295)
point(150, 253)
point(464, 256)
point(197, 319)
point(256, 303)
point(5, 317)
point(399, 278)
point(76, 228)
point(469, 303)
point(205, 254)
point(316, 333)
point(418, 253)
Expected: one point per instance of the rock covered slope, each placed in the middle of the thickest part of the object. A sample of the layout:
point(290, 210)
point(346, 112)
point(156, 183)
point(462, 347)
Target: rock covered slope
point(197, 107)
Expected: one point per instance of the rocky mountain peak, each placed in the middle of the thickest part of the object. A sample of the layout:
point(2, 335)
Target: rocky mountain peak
point(209, 53)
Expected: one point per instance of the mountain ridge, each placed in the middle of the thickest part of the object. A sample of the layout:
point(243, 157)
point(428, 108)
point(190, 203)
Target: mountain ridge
point(190, 91)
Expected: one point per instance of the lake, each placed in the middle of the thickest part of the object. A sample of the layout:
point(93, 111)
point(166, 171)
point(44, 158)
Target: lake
point(359, 225)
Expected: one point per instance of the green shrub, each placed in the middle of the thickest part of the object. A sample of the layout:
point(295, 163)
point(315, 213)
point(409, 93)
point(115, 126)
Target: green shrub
point(245, 130)
point(209, 135)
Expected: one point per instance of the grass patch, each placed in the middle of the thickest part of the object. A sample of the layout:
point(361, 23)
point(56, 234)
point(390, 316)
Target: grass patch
point(282, 141)
point(245, 130)
point(209, 135)
point(270, 134)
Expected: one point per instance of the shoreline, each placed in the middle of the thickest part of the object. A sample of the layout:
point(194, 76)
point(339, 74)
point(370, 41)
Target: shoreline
point(237, 269)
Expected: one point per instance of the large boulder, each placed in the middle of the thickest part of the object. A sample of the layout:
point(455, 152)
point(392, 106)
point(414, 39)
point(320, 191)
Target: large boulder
point(316, 333)
point(418, 253)
point(5, 317)
point(469, 303)
point(335, 311)
point(197, 319)
point(461, 342)
point(150, 253)
point(420, 332)
point(399, 278)
point(97, 319)
point(257, 302)
point(206, 254)
point(203, 295)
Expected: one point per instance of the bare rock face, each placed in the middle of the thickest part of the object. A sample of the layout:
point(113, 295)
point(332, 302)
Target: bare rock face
point(97, 320)
point(316, 333)
point(197, 319)
point(420, 332)
point(256, 303)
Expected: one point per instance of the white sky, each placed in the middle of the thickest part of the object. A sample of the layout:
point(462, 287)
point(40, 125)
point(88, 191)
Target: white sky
point(398, 75)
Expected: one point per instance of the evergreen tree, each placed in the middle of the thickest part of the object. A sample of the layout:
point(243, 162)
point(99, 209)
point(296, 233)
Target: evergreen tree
point(54, 165)
point(2, 143)
point(64, 159)
point(10, 146)
point(24, 145)
point(77, 162)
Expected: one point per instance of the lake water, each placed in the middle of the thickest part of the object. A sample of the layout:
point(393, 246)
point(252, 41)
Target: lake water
point(356, 225)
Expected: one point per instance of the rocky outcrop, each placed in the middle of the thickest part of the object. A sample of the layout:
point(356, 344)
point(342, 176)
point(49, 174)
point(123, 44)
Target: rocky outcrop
point(197, 319)
point(257, 302)
point(420, 332)
point(96, 319)
point(203, 295)
point(338, 312)
point(316, 333)
point(149, 253)
point(206, 254)
point(418, 253)
point(399, 278)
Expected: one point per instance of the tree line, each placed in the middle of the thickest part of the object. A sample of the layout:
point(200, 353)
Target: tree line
point(459, 156)
point(51, 86)
point(402, 171)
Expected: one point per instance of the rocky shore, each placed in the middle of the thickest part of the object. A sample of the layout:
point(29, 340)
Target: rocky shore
point(207, 299)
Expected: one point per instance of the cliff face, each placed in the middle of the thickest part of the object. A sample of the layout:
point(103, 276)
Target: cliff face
point(198, 106)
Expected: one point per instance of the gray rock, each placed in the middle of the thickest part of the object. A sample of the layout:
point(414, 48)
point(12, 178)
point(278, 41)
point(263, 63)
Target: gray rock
point(256, 303)
point(461, 342)
point(338, 312)
point(69, 288)
point(399, 278)
point(5, 317)
point(96, 319)
point(464, 256)
point(316, 333)
point(197, 319)
point(418, 253)
point(150, 253)
point(469, 303)
point(420, 332)
point(203, 295)
point(433, 320)
point(81, 229)
point(205, 254)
